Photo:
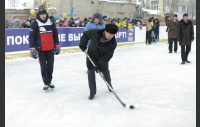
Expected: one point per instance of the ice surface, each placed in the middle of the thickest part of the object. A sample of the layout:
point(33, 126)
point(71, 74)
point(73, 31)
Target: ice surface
point(141, 74)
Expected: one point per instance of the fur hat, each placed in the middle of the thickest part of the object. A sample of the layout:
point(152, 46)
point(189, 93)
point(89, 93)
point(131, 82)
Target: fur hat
point(111, 28)
point(97, 15)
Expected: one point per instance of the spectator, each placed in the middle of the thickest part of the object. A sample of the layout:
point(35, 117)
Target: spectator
point(77, 23)
point(146, 23)
point(109, 21)
point(155, 30)
point(185, 36)
point(172, 26)
point(105, 20)
point(10, 24)
point(82, 24)
point(27, 24)
point(126, 24)
point(167, 19)
point(141, 20)
point(73, 24)
point(136, 21)
point(113, 21)
point(162, 23)
point(16, 23)
point(150, 25)
point(119, 23)
point(69, 24)
point(96, 22)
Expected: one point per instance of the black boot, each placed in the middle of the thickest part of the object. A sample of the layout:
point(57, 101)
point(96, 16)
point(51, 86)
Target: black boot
point(45, 87)
point(183, 62)
point(51, 85)
point(91, 97)
point(188, 61)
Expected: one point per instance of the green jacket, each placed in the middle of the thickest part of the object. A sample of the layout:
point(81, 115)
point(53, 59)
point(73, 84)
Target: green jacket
point(99, 52)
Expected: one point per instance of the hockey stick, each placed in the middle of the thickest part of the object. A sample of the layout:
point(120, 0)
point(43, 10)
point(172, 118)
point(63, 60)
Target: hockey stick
point(126, 106)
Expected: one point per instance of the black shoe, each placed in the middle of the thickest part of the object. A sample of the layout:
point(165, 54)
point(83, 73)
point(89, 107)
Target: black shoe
point(45, 87)
point(188, 61)
point(91, 97)
point(170, 52)
point(183, 62)
point(51, 85)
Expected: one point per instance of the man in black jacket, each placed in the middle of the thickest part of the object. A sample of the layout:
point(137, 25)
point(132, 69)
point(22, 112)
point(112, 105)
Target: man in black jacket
point(101, 50)
point(43, 42)
point(185, 36)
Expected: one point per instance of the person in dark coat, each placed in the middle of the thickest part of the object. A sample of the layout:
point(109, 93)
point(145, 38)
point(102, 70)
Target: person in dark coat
point(185, 36)
point(44, 43)
point(100, 50)
point(167, 30)
point(155, 29)
point(172, 26)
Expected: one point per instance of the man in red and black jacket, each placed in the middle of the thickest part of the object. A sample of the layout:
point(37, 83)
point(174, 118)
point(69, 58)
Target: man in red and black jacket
point(44, 43)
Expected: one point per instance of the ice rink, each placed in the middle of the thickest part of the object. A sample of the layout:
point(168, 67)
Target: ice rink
point(141, 74)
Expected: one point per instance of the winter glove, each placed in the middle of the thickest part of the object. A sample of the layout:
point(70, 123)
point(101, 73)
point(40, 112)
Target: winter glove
point(97, 68)
point(33, 52)
point(83, 48)
point(57, 49)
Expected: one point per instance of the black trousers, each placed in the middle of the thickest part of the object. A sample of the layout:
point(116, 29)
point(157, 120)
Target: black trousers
point(46, 59)
point(171, 40)
point(92, 80)
point(148, 37)
point(185, 49)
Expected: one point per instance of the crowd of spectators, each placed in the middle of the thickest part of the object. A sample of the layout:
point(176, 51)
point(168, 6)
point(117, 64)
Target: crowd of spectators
point(64, 22)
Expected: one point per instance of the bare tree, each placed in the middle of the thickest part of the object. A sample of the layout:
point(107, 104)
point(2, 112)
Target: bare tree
point(13, 3)
point(172, 6)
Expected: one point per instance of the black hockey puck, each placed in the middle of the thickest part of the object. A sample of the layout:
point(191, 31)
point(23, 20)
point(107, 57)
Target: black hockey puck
point(131, 107)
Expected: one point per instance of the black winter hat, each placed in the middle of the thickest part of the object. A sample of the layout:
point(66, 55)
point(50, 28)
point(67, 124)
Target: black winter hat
point(42, 10)
point(175, 15)
point(111, 28)
point(104, 16)
point(185, 15)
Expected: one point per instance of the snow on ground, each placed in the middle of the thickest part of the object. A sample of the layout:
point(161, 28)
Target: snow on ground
point(141, 74)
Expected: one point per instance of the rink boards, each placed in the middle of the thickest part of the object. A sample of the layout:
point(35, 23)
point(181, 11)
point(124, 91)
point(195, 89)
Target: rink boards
point(17, 40)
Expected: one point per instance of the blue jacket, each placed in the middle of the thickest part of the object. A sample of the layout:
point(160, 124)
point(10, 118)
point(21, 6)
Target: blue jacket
point(93, 25)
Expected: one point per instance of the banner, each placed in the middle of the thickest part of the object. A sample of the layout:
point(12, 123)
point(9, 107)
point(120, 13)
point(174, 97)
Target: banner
point(18, 39)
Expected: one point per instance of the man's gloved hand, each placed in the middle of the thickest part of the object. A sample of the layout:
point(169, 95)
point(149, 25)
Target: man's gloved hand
point(83, 48)
point(97, 68)
point(33, 52)
point(57, 49)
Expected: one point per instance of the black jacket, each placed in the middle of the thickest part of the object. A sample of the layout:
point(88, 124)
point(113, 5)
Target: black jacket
point(99, 52)
point(185, 32)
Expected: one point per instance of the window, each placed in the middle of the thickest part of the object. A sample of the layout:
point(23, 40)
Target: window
point(176, 7)
point(183, 8)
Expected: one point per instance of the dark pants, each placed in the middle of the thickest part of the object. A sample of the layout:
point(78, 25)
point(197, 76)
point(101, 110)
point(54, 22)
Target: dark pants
point(46, 59)
point(184, 53)
point(156, 34)
point(171, 40)
point(92, 81)
point(148, 37)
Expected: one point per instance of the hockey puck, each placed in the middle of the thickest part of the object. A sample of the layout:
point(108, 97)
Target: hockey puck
point(131, 107)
